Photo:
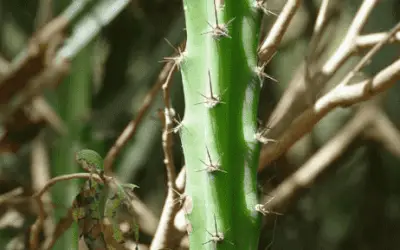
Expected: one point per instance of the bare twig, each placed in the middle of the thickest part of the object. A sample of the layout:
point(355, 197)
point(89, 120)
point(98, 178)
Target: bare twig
point(348, 45)
point(270, 44)
point(367, 41)
point(167, 235)
point(293, 102)
point(342, 95)
point(321, 18)
point(346, 97)
point(319, 162)
point(130, 130)
point(370, 54)
point(66, 177)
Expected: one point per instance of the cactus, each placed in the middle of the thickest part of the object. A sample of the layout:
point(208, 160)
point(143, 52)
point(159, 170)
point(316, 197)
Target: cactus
point(221, 88)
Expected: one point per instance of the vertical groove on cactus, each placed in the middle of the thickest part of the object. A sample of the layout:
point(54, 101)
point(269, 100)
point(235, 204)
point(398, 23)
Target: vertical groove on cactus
point(221, 91)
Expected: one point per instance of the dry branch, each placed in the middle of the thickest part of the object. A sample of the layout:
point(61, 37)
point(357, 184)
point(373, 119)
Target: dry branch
point(348, 45)
point(167, 235)
point(304, 84)
point(319, 162)
point(271, 42)
point(342, 95)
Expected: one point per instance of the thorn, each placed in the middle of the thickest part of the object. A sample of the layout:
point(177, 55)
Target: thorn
point(262, 75)
point(219, 30)
point(262, 5)
point(260, 71)
point(176, 59)
point(218, 237)
point(178, 126)
point(261, 208)
point(259, 136)
point(212, 100)
point(210, 166)
point(180, 199)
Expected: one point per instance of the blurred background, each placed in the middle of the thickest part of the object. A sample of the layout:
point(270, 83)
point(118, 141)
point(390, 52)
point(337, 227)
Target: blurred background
point(95, 79)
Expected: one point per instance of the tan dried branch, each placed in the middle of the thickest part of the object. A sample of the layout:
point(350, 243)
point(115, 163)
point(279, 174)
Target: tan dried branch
point(342, 95)
point(367, 41)
point(365, 59)
point(348, 45)
point(292, 104)
point(288, 190)
point(272, 41)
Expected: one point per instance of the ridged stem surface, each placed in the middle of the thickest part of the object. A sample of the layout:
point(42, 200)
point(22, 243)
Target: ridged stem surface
point(221, 136)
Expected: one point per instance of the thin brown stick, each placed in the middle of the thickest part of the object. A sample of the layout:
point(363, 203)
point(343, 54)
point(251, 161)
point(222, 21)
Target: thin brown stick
point(131, 128)
point(318, 163)
point(270, 44)
point(167, 235)
point(66, 177)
